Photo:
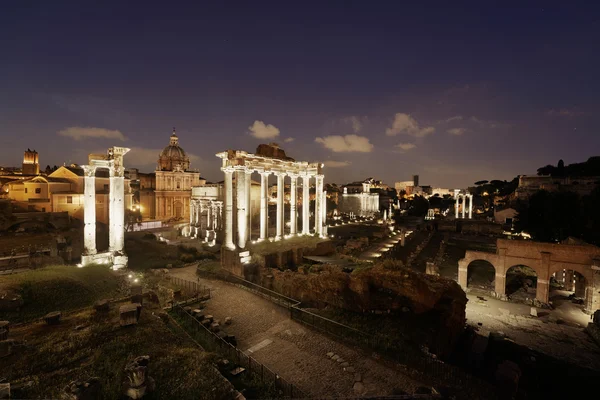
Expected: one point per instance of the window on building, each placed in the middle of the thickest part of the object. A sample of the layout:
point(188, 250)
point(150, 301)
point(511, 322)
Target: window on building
point(105, 187)
point(43, 209)
point(25, 190)
point(38, 190)
point(178, 185)
point(69, 199)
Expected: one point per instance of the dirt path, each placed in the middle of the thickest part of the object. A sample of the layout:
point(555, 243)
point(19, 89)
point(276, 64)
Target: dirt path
point(295, 352)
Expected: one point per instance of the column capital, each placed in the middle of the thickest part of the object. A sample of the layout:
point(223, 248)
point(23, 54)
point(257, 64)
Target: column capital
point(293, 175)
point(89, 170)
point(319, 176)
point(265, 173)
point(228, 170)
point(280, 173)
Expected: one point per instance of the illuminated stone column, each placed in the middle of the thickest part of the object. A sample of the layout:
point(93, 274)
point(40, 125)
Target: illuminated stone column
point(280, 190)
point(208, 212)
point(229, 208)
point(464, 205)
point(462, 273)
point(456, 206)
point(241, 199)
point(116, 210)
point(264, 204)
point(318, 205)
point(293, 193)
point(248, 183)
point(192, 214)
point(324, 215)
point(305, 205)
point(89, 210)
point(470, 206)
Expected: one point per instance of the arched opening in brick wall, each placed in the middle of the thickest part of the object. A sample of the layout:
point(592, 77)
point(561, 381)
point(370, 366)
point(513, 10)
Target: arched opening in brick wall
point(481, 275)
point(521, 283)
point(567, 285)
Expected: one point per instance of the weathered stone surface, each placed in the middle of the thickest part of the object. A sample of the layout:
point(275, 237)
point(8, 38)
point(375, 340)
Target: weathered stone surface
point(88, 390)
point(330, 354)
point(228, 320)
point(151, 296)
point(533, 312)
point(345, 364)
point(10, 301)
point(358, 377)
point(129, 314)
point(136, 289)
point(137, 298)
point(358, 388)
point(102, 305)
point(340, 360)
point(379, 288)
point(137, 382)
point(53, 318)
point(335, 357)
point(214, 327)
point(349, 369)
point(272, 150)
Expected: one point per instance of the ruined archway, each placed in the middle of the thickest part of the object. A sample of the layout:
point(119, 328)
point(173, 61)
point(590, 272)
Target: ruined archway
point(481, 275)
point(521, 283)
point(568, 285)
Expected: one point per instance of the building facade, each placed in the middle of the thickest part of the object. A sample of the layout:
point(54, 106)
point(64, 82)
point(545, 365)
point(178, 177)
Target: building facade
point(174, 182)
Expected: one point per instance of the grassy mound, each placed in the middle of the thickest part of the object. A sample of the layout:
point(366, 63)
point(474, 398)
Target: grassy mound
point(147, 253)
point(267, 247)
point(57, 355)
point(60, 288)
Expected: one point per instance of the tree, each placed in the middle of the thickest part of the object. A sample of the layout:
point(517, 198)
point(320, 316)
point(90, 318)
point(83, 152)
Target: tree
point(419, 207)
point(478, 183)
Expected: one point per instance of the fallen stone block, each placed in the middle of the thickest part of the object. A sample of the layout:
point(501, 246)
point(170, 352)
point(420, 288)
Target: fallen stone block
point(53, 318)
point(206, 323)
point(84, 390)
point(102, 305)
point(214, 327)
point(137, 298)
point(4, 390)
point(533, 312)
point(228, 320)
point(330, 354)
point(129, 314)
point(335, 357)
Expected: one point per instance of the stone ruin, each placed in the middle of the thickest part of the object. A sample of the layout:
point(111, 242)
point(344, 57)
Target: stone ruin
point(138, 383)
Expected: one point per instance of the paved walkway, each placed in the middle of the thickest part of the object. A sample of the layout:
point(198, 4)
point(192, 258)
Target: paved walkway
point(565, 341)
point(296, 352)
point(375, 251)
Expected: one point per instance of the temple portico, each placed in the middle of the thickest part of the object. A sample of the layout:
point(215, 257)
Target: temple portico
point(113, 161)
point(237, 227)
point(464, 197)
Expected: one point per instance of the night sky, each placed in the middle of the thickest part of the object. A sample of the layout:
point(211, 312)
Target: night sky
point(454, 93)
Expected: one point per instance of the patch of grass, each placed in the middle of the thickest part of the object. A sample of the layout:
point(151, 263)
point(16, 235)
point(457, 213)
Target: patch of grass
point(210, 266)
point(57, 355)
point(60, 288)
point(147, 253)
point(268, 247)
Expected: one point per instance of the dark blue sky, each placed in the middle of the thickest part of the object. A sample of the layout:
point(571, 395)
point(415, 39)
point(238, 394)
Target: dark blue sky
point(454, 93)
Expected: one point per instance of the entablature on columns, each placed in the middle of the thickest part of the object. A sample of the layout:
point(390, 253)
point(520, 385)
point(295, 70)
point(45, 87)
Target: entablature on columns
point(239, 159)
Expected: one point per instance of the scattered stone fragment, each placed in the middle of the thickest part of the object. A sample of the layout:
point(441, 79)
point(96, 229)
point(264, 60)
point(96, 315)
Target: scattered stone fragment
point(137, 382)
point(340, 360)
point(335, 357)
point(533, 312)
point(349, 369)
point(330, 354)
point(345, 364)
point(358, 387)
point(214, 327)
point(102, 305)
point(53, 318)
point(88, 390)
point(357, 377)
point(228, 320)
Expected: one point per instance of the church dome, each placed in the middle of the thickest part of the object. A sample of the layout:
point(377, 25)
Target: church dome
point(173, 157)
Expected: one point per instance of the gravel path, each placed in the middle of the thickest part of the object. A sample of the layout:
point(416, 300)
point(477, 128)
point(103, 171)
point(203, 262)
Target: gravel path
point(295, 352)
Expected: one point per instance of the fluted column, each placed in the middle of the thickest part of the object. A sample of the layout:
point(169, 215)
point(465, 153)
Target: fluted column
point(464, 207)
point(470, 206)
point(305, 205)
point(293, 194)
point(89, 210)
point(229, 208)
point(241, 199)
point(318, 205)
point(456, 208)
point(264, 204)
point(280, 192)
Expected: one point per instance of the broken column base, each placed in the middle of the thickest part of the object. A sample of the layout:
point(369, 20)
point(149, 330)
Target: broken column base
point(118, 260)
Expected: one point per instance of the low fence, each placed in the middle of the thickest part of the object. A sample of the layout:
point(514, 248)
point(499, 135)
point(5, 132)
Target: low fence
point(431, 368)
point(190, 287)
point(212, 342)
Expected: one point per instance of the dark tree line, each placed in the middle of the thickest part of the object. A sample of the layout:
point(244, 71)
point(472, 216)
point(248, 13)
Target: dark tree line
point(554, 216)
point(591, 167)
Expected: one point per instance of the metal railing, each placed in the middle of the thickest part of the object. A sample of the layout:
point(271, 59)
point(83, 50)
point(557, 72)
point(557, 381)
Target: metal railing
point(212, 342)
point(429, 367)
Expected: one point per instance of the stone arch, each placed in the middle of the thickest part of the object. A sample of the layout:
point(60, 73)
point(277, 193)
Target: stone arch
point(571, 281)
point(521, 282)
point(481, 274)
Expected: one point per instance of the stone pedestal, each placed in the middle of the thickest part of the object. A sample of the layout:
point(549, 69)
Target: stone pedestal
point(137, 382)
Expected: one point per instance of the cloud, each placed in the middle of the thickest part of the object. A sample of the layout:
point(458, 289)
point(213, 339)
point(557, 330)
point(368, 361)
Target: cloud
point(452, 119)
point(456, 131)
point(288, 140)
point(406, 146)
point(346, 144)
point(336, 164)
point(489, 123)
point(564, 112)
point(405, 124)
point(80, 133)
point(261, 131)
point(356, 122)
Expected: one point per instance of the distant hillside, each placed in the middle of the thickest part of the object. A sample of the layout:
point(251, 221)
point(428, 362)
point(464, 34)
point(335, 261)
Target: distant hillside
point(591, 167)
